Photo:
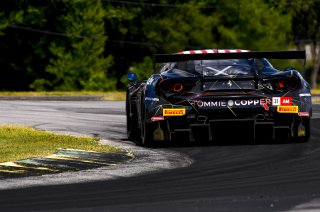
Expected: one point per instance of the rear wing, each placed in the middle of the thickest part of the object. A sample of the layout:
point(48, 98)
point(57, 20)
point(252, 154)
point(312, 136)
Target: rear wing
point(166, 58)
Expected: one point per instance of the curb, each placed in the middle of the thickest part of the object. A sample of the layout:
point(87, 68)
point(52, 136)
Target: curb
point(63, 160)
point(144, 161)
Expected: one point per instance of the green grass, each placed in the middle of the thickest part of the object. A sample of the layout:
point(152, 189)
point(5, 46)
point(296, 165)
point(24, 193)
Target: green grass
point(111, 95)
point(19, 142)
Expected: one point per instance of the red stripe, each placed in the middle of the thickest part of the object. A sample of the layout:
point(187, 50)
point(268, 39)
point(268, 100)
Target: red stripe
point(214, 51)
point(266, 107)
point(303, 113)
point(157, 118)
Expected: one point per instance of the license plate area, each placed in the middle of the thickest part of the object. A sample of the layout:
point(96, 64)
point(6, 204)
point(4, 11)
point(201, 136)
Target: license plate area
point(232, 129)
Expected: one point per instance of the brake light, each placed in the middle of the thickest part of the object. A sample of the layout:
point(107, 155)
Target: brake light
point(169, 86)
point(280, 84)
point(177, 87)
point(284, 85)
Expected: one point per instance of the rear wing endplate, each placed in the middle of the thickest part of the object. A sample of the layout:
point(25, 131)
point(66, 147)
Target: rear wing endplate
point(166, 58)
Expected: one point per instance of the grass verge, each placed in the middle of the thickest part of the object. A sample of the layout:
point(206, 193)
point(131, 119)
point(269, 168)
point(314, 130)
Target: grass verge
point(19, 142)
point(111, 95)
point(315, 91)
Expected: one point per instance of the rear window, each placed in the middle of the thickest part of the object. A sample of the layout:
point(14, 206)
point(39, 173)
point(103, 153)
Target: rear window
point(230, 68)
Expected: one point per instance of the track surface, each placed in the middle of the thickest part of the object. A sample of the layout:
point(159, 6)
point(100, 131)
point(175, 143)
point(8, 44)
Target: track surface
point(238, 177)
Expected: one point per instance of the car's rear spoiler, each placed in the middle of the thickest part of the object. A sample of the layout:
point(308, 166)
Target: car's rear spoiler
point(166, 58)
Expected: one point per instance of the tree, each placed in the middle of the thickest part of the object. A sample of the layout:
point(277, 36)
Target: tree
point(23, 49)
point(248, 24)
point(123, 22)
point(179, 28)
point(78, 62)
point(305, 29)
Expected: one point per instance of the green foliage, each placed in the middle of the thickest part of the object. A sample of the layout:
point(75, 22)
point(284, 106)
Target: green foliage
point(305, 18)
point(143, 70)
point(305, 31)
point(23, 52)
point(180, 28)
point(251, 25)
point(79, 63)
point(90, 45)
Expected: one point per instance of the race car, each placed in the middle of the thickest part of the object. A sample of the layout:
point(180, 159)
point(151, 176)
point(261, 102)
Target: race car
point(216, 94)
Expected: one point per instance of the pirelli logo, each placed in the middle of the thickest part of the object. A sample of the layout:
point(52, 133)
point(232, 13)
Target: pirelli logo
point(287, 109)
point(174, 111)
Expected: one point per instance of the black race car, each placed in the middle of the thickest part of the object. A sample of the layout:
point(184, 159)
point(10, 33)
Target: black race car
point(211, 95)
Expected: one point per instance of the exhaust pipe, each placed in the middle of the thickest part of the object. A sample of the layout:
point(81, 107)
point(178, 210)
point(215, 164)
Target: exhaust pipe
point(158, 134)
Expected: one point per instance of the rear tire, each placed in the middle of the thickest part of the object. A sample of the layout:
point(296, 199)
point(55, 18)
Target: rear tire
point(146, 134)
point(132, 122)
point(146, 130)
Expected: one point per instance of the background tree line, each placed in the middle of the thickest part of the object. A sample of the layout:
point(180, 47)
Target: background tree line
point(91, 44)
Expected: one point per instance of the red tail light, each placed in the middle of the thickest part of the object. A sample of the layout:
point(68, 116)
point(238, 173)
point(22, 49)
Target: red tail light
point(280, 84)
point(291, 83)
point(177, 87)
point(169, 86)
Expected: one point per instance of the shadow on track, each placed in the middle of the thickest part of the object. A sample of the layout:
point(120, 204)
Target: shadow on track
point(222, 142)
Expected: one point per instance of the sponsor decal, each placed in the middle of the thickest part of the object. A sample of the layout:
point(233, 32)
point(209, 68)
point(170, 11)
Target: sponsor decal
point(303, 114)
point(225, 103)
point(174, 111)
point(157, 118)
point(305, 94)
point(284, 101)
point(151, 99)
point(150, 80)
point(265, 103)
point(276, 101)
point(265, 106)
point(287, 109)
point(234, 103)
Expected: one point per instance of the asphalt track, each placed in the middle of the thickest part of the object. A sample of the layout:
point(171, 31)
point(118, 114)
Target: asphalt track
point(224, 177)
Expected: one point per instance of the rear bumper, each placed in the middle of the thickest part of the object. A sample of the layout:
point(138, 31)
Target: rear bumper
point(231, 129)
point(221, 125)
point(227, 119)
